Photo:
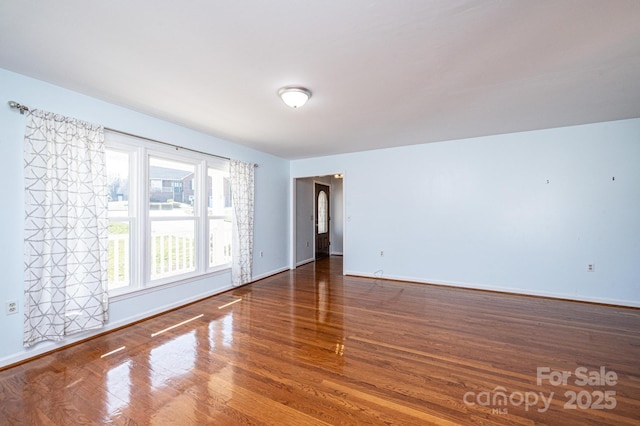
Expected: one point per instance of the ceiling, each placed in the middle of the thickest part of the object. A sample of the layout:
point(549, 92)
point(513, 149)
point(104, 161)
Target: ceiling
point(383, 73)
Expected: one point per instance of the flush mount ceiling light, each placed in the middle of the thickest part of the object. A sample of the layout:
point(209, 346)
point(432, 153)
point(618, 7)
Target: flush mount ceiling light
point(295, 97)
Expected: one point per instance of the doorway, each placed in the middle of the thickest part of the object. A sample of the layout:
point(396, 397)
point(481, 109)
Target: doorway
point(305, 236)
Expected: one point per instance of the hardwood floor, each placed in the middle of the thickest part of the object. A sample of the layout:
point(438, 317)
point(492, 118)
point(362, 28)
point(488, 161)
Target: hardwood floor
point(311, 347)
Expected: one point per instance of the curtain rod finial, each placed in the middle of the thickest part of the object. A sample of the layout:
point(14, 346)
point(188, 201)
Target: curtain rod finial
point(15, 105)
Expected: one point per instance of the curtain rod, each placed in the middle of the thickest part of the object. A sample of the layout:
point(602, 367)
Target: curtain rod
point(23, 108)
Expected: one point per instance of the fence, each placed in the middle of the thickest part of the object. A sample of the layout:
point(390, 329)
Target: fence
point(170, 255)
point(118, 270)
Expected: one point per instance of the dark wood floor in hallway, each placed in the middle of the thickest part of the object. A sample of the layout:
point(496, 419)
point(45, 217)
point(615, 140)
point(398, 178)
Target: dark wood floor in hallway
point(312, 346)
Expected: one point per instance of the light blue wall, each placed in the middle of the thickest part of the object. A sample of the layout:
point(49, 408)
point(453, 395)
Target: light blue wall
point(479, 212)
point(271, 202)
point(304, 221)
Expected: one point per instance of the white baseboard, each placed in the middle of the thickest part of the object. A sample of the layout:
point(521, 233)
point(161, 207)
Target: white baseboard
point(304, 262)
point(268, 274)
point(512, 290)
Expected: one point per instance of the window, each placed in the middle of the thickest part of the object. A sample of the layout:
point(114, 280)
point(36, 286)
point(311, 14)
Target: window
point(169, 214)
point(173, 220)
point(120, 218)
point(323, 214)
point(219, 216)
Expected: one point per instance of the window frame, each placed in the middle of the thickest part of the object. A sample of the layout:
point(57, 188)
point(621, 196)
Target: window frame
point(140, 221)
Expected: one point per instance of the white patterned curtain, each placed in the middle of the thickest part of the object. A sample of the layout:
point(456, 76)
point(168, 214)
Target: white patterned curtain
point(242, 175)
point(66, 224)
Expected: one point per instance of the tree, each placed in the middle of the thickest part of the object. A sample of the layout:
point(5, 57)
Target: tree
point(118, 187)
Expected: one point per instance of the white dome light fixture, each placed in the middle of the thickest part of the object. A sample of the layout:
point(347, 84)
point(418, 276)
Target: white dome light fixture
point(295, 97)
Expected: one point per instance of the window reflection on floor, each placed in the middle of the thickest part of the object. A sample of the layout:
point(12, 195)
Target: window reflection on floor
point(119, 387)
point(221, 332)
point(172, 359)
point(227, 330)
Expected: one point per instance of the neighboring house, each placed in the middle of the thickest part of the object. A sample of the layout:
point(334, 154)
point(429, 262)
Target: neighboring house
point(170, 184)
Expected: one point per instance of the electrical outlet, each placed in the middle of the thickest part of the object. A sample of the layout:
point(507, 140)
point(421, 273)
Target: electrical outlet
point(381, 253)
point(591, 267)
point(307, 243)
point(11, 307)
point(261, 254)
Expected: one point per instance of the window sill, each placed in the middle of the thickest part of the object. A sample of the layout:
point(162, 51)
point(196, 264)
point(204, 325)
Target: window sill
point(164, 285)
